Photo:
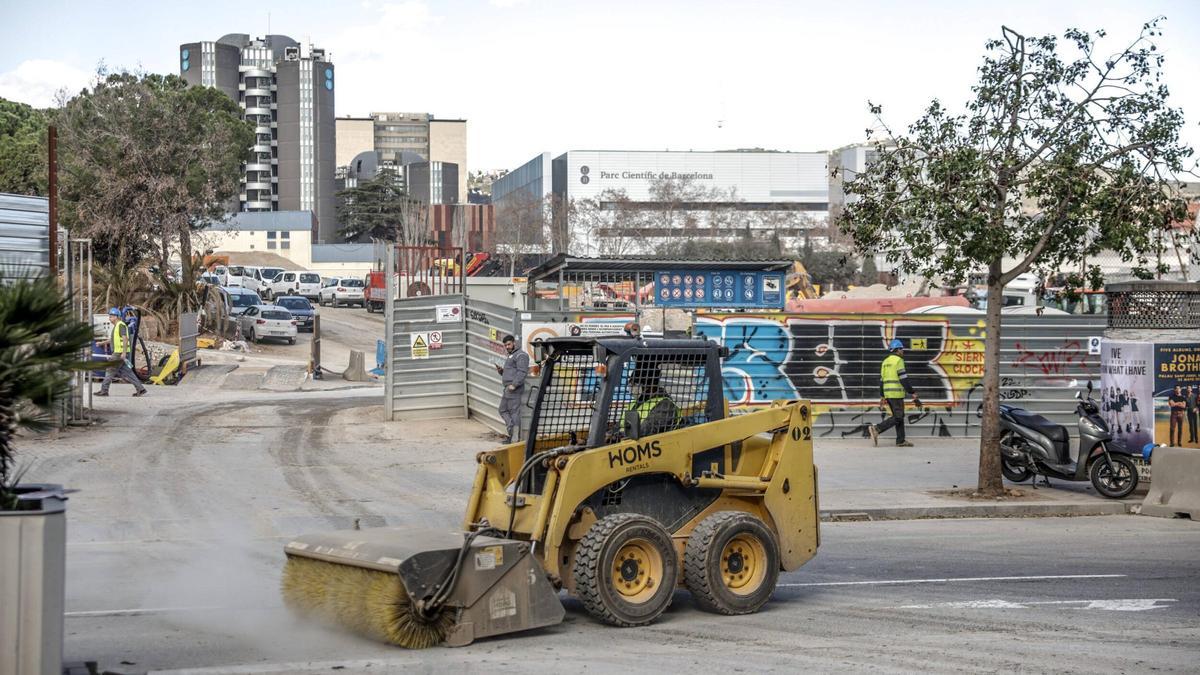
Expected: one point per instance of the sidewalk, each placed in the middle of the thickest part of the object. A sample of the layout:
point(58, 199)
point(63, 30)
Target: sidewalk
point(858, 481)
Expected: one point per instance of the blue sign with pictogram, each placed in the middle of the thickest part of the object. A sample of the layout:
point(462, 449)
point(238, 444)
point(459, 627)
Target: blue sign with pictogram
point(719, 289)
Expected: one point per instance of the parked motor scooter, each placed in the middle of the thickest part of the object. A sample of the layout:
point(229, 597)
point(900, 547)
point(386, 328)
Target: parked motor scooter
point(1031, 445)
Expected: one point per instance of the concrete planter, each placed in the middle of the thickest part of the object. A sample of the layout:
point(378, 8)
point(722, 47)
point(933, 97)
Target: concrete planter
point(33, 550)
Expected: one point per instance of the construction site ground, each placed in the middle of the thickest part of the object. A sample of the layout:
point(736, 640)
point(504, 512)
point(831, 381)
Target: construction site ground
point(186, 497)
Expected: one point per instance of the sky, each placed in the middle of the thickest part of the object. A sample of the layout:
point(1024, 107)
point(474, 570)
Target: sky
point(555, 75)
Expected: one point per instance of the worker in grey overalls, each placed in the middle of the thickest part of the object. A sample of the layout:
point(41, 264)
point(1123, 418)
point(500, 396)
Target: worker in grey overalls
point(512, 374)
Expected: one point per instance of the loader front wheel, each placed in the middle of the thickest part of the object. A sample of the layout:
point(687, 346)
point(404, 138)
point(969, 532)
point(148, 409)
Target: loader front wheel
point(625, 569)
point(731, 563)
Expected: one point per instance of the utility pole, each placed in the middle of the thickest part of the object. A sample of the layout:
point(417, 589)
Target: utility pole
point(52, 166)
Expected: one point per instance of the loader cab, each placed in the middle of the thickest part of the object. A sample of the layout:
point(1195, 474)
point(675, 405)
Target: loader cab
point(599, 391)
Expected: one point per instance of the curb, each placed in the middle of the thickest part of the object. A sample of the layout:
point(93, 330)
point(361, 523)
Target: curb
point(979, 511)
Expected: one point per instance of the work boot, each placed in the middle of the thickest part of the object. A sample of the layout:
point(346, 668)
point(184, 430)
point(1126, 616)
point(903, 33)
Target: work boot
point(874, 433)
point(904, 444)
point(100, 393)
point(139, 393)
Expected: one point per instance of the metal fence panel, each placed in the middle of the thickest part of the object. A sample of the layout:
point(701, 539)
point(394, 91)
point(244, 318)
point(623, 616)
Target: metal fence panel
point(486, 325)
point(427, 358)
point(189, 330)
point(834, 361)
point(24, 233)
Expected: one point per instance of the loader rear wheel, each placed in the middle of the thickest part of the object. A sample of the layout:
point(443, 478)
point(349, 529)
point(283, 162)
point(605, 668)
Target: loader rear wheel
point(731, 563)
point(625, 569)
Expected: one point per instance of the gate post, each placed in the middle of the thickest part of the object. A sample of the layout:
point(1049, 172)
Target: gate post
point(389, 320)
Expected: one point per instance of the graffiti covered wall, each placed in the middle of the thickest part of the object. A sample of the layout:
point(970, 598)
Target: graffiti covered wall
point(834, 360)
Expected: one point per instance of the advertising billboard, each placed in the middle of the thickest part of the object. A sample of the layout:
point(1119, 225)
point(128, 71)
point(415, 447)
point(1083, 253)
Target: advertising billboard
point(1176, 394)
point(1127, 391)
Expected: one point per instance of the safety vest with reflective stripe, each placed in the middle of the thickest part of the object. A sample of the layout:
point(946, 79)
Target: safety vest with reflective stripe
point(890, 372)
point(119, 332)
point(646, 407)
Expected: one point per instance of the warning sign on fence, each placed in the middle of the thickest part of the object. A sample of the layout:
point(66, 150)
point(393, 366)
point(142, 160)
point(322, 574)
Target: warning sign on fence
point(420, 345)
point(435, 339)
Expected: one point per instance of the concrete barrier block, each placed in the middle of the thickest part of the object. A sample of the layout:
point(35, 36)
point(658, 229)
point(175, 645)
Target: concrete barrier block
point(1175, 490)
point(356, 372)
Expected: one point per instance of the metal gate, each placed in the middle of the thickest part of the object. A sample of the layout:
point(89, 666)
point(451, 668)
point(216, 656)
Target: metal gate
point(425, 377)
point(486, 326)
point(25, 234)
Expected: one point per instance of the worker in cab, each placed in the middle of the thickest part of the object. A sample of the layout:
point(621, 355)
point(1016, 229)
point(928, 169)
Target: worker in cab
point(652, 410)
point(894, 387)
point(122, 354)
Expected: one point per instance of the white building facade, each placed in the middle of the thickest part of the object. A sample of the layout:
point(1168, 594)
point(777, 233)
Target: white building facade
point(615, 202)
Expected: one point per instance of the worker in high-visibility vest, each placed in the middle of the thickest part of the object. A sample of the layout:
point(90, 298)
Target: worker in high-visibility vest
point(652, 407)
point(122, 352)
point(893, 388)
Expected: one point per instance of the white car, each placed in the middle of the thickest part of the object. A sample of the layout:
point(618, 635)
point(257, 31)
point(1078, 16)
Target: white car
point(267, 321)
point(304, 284)
point(339, 291)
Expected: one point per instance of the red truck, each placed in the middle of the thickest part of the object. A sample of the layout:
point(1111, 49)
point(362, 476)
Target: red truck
point(375, 292)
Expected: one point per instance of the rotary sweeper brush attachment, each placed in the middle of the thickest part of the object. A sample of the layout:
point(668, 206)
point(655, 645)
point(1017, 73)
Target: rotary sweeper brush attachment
point(418, 588)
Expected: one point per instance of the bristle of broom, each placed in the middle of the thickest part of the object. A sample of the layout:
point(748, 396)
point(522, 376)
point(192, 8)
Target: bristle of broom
point(368, 602)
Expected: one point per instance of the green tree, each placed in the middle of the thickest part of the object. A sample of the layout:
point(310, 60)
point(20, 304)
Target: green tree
point(379, 208)
point(40, 344)
point(830, 269)
point(1057, 157)
point(147, 160)
point(22, 149)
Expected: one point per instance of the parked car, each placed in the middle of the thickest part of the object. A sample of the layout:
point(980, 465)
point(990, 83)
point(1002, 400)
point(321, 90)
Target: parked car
point(304, 284)
point(260, 322)
point(269, 274)
point(342, 291)
point(252, 278)
point(301, 309)
point(238, 300)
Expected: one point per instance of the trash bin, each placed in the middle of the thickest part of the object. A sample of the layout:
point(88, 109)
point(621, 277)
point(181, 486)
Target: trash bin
point(33, 551)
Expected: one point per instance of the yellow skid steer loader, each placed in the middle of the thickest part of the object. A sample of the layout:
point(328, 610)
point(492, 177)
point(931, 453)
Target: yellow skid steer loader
point(634, 480)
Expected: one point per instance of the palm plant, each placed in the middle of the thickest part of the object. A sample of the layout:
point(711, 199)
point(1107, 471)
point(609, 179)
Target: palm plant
point(40, 344)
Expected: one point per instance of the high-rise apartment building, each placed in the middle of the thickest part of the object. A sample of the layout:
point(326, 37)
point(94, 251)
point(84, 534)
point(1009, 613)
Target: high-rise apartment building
point(434, 140)
point(287, 90)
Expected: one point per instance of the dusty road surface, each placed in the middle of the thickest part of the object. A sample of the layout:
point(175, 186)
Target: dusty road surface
point(175, 548)
point(342, 329)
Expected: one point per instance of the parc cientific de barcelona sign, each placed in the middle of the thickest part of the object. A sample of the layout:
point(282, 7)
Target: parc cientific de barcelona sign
point(585, 175)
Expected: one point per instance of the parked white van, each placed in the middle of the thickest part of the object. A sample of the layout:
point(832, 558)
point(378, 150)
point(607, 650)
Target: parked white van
point(306, 284)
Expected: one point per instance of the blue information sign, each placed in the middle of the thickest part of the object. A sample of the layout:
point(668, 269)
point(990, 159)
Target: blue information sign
point(717, 288)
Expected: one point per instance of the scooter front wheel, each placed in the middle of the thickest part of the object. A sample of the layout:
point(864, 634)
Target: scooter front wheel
point(1116, 478)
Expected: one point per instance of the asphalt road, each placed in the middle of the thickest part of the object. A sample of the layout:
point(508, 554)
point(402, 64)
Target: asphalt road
point(342, 329)
point(175, 547)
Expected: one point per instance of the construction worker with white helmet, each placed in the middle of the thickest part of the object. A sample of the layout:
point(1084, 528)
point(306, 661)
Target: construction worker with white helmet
point(893, 387)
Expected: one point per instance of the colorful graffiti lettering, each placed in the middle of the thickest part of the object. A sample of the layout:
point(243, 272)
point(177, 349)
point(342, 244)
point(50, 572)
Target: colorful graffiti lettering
point(834, 360)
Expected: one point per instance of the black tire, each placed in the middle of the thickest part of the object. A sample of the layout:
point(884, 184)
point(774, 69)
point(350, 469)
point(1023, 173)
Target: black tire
point(291, 341)
point(627, 594)
point(1117, 483)
point(1013, 472)
point(731, 563)
point(1016, 474)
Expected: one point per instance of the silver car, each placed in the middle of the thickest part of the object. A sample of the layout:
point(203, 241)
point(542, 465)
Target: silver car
point(267, 321)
